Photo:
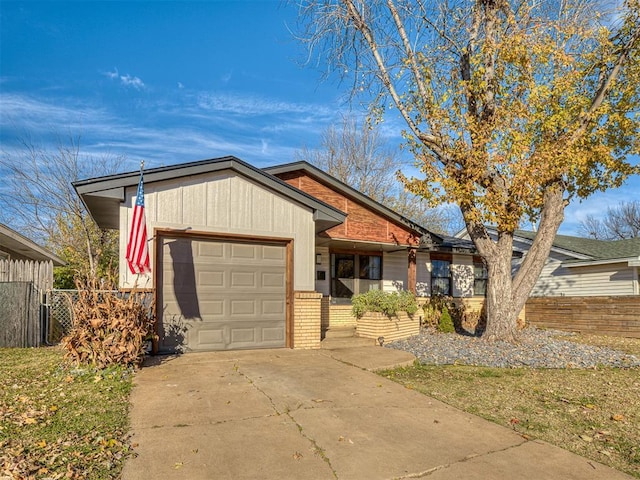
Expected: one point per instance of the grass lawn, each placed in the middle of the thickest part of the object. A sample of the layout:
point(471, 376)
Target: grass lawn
point(594, 413)
point(58, 421)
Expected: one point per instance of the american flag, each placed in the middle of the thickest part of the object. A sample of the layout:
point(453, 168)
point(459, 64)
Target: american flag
point(137, 251)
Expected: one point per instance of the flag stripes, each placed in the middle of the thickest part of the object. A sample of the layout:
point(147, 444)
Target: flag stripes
point(137, 250)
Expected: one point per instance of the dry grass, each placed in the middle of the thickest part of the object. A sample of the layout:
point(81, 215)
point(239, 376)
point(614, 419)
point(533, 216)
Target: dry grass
point(594, 413)
point(58, 422)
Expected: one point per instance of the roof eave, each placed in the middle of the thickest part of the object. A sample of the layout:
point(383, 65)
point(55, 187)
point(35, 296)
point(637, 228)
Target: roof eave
point(630, 261)
point(103, 196)
point(350, 191)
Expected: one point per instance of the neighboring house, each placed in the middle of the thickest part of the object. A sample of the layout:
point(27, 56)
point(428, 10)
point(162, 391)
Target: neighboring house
point(26, 273)
point(582, 267)
point(586, 267)
point(21, 259)
point(249, 258)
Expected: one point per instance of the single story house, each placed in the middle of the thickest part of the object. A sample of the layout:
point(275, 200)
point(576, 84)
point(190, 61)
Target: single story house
point(244, 258)
point(26, 273)
point(581, 267)
point(586, 285)
point(23, 260)
point(586, 267)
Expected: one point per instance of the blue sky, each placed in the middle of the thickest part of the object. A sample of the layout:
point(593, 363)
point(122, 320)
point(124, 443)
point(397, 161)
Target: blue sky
point(171, 82)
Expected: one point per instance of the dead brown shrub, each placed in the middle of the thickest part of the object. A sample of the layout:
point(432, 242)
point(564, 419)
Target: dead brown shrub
point(109, 328)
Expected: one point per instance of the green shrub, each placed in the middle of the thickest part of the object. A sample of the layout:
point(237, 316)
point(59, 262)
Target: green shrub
point(434, 308)
point(445, 325)
point(389, 303)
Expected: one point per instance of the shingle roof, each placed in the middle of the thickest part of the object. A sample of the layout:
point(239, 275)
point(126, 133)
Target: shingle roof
point(597, 249)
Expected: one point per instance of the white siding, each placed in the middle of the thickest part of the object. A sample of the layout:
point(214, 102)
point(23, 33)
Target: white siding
point(223, 202)
point(423, 274)
point(395, 271)
point(597, 280)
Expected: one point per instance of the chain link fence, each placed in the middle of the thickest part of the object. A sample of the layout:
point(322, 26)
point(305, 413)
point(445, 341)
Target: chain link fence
point(58, 311)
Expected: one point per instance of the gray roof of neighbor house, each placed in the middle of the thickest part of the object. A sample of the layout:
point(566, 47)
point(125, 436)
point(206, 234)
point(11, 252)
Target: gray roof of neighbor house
point(594, 249)
point(103, 196)
point(16, 244)
point(377, 207)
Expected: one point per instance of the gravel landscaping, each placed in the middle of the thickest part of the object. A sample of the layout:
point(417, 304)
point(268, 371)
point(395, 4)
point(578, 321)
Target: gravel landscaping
point(537, 349)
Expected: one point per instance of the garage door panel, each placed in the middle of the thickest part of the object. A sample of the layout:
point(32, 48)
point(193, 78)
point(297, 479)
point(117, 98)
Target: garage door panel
point(244, 251)
point(245, 279)
point(237, 302)
point(209, 250)
point(271, 253)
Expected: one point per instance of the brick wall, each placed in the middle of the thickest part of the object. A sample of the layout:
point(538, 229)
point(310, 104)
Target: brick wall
point(306, 320)
point(396, 327)
point(340, 316)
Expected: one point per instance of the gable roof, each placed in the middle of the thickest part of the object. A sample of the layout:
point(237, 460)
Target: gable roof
point(349, 191)
point(102, 196)
point(12, 241)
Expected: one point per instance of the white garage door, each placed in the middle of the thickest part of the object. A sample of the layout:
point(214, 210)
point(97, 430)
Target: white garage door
point(221, 295)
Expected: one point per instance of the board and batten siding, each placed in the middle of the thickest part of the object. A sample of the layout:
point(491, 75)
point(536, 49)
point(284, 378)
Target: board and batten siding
point(596, 280)
point(224, 203)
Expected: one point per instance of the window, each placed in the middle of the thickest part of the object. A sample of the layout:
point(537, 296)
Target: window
point(352, 274)
point(480, 276)
point(440, 276)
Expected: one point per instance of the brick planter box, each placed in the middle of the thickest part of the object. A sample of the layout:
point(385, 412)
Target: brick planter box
point(397, 327)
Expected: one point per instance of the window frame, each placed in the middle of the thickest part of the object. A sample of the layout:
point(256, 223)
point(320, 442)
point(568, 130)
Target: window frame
point(479, 262)
point(358, 273)
point(440, 257)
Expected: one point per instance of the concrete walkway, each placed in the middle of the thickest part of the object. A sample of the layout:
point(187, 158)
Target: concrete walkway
point(284, 414)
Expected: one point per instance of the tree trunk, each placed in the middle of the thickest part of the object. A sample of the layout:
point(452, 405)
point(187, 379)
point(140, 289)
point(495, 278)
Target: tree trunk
point(500, 309)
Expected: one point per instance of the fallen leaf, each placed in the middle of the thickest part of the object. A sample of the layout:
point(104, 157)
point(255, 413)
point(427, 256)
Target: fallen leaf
point(586, 438)
point(341, 438)
point(617, 417)
point(297, 456)
point(178, 465)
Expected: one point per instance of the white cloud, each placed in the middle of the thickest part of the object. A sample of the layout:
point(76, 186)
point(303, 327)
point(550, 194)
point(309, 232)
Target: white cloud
point(130, 81)
point(126, 80)
point(180, 85)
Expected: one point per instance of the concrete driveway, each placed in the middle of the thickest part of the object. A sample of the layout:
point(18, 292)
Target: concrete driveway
point(284, 414)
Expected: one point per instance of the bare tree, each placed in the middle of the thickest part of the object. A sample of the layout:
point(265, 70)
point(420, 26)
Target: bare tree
point(39, 199)
point(619, 223)
point(512, 108)
point(355, 153)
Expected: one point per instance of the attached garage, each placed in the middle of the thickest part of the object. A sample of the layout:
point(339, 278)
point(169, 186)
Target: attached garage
point(232, 253)
point(222, 294)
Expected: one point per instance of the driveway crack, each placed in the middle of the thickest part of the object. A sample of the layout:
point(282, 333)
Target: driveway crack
point(427, 473)
point(317, 449)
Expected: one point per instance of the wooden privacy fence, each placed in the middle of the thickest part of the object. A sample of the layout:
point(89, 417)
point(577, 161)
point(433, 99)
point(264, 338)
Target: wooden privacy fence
point(22, 283)
point(19, 315)
point(40, 273)
point(598, 315)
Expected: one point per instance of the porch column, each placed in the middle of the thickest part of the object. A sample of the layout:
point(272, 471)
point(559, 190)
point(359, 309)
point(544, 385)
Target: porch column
point(411, 274)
